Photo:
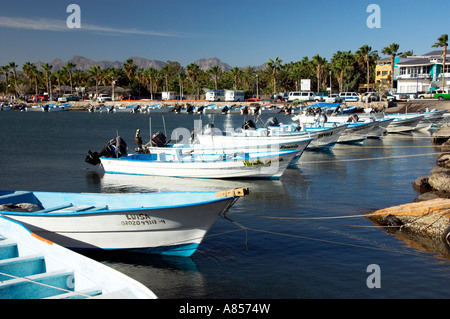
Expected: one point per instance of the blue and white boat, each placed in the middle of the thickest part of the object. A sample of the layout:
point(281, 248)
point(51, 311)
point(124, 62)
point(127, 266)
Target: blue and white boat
point(172, 223)
point(129, 108)
point(173, 163)
point(32, 267)
point(274, 133)
point(56, 108)
point(155, 108)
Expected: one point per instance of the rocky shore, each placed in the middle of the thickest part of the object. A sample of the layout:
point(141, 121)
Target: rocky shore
point(429, 214)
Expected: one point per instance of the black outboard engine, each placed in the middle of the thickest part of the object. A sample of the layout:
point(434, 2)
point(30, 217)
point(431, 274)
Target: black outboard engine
point(272, 121)
point(322, 118)
point(249, 125)
point(115, 148)
point(159, 140)
point(225, 110)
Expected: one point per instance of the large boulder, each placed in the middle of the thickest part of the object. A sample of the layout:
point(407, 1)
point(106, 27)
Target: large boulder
point(439, 179)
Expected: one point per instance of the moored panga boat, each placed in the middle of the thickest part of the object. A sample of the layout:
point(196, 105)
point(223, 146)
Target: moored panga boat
point(172, 162)
point(32, 267)
point(172, 223)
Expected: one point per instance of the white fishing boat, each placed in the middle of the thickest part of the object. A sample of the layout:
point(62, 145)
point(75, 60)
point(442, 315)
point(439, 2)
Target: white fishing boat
point(128, 109)
point(6, 107)
point(172, 223)
point(34, 108)
point(159, 144)
point(156, 108)
point(33, 267)
point(174, 164)
point(404, 124)
point(274, 132)
point(55, 108)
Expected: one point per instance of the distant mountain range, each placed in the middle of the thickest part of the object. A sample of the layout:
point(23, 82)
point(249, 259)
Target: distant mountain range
point(85, 64)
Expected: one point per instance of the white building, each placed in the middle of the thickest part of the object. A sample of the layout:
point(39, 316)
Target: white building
point(421, 73)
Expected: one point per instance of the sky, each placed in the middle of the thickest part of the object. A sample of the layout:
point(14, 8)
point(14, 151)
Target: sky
point(238, 32)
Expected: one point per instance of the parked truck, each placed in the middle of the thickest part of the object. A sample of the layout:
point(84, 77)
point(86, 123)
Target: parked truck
point(441, 95)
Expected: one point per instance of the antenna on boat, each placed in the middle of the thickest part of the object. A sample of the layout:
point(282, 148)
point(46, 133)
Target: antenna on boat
point(150, 126)
point(164, 123)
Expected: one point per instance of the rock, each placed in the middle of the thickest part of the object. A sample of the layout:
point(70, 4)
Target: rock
point(439, 179)
point(443, 160)
point(426, 196)
point(421, 185)
point(431, 218)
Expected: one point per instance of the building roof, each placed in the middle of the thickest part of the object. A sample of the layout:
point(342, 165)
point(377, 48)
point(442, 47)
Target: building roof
point(415, 61)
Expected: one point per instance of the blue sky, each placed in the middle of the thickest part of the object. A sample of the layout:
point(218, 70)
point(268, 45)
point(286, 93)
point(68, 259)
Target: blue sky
point(238, 32)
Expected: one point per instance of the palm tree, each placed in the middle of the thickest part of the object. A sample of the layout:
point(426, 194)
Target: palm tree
point(130, 68)
point(68, 68)
point(392, 51)
point(274, 65)
point(193, 71)
point(215, 71)
point(150, 75)
point(442, 42)
point(26, 70)
point(96, 73)
point(13, 66)
point(236, 74)
point(34, 73)
point(47, 68)
point(320, 64)
point(363, 56)
point(340, 61)
point(5, 71)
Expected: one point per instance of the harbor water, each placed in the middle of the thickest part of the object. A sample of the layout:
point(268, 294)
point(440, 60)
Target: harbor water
point(303, 236)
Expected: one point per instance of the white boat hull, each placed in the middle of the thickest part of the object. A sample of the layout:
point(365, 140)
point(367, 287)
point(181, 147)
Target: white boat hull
point(270, 166)
point(161, 223)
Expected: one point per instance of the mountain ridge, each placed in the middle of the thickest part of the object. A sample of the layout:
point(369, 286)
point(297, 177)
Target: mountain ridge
point(84, 64)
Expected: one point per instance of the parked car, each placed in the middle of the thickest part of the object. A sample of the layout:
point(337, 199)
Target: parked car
point(322, 96)
point(334, 98)
point(440, 95)
point(103, 98)
point(68, 97)
point(369, 97)
point(349, 96)
point(303, 96)
point(252, 99)
point(398, 97)
point(426, 95)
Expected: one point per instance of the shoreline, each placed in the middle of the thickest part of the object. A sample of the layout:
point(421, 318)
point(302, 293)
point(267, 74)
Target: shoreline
point(418, 105)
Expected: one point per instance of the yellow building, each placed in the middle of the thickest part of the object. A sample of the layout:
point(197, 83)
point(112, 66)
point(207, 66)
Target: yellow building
point(383, 71)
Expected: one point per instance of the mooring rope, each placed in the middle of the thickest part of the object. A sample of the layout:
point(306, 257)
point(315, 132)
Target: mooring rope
point(45, 285)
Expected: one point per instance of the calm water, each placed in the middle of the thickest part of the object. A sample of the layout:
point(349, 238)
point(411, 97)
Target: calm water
point(284, 252)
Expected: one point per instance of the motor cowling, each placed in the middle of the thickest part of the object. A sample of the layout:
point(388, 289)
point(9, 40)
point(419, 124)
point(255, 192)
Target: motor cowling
point(249, 125)
point(114, 148)
point(159, 139)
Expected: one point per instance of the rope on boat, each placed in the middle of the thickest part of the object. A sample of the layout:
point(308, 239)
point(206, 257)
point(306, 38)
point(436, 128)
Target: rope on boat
point(324, 241)
point(371, 159)
point(45, 285)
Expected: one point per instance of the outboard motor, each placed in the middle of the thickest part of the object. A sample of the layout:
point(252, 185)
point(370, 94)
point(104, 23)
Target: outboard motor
point(323, 118)
point(272, 121)
point(159, 140)
point(225, 110)
point(249, 125)
point(115, 148)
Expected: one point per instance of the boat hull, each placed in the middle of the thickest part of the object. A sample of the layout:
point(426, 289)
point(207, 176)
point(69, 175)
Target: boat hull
point(170, 228)
point(272, 166)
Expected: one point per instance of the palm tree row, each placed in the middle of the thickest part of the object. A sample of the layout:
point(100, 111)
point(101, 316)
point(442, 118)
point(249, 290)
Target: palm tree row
point(346, 71)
